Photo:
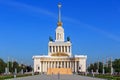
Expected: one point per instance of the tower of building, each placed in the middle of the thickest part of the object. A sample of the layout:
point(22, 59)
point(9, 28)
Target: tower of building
point(59, 47)
point(59, 29)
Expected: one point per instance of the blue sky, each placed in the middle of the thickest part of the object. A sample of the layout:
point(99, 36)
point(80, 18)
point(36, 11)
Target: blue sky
point(93, 26)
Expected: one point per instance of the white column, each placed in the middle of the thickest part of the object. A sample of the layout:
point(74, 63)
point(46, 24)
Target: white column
point(58, 49)
point(70, 65)
point(64, 48)
point(55, 49)
point(64, 64)
point(43, 66)
point(75, 66)
point(61, 48)
point(67, 64)
point(58, 64)
point(61, 64)
point(54, 64)
point(48, 64)
point(67, 49)
point(51, 64)
point(40, 66)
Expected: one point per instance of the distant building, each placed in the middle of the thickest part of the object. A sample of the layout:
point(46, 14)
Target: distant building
point(59, 53)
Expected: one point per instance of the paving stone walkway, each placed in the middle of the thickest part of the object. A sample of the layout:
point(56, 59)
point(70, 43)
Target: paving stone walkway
point(57, 77)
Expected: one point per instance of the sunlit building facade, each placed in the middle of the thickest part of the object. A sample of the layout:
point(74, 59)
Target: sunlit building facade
point(59, 53)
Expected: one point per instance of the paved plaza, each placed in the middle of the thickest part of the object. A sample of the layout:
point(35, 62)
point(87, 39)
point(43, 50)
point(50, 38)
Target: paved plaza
point(57, 77)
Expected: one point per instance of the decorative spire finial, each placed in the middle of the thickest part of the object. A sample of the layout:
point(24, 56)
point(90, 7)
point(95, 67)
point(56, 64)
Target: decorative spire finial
point(59, 15)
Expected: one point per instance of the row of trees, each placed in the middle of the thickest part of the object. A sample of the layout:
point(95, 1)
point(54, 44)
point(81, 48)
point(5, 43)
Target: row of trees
point(12, 65)
point(106, 66)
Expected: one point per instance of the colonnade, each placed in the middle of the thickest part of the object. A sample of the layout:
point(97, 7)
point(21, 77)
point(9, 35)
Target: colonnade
point(55, 49)
point(44, 65)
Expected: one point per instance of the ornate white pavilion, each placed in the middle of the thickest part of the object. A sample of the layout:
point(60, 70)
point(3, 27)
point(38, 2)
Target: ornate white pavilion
point(59, 53)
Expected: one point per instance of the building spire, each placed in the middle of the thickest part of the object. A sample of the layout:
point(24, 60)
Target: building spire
point(59, 15)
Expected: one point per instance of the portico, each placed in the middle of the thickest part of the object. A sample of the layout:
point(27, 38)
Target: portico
point(60, 62)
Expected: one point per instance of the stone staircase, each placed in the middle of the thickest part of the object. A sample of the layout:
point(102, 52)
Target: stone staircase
point(59, 70)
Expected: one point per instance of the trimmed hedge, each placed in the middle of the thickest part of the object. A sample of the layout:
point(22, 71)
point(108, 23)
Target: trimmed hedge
point(109, 77)
point(12, 76)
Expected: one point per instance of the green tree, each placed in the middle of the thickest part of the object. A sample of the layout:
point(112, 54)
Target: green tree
point(95, 66)
point(29, 68)
point(116, 65)
point(13, 65)
point(91, 67)
point(100, 67)
point(2, 66)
